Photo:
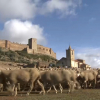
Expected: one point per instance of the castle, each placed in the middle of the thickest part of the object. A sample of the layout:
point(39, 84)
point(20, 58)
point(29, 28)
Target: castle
point(70, 60)
point(32, 47)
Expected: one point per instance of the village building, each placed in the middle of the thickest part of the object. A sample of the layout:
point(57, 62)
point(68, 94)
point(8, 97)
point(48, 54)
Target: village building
point(70, 62)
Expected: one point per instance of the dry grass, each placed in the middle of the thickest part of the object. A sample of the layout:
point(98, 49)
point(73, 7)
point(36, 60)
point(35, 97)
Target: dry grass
point(87, 94)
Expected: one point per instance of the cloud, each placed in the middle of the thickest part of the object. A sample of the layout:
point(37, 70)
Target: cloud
point(27, 9)
point(90, 55)
point(92, 19)
point(19, 31)
point(62, 7)
point(23, 9)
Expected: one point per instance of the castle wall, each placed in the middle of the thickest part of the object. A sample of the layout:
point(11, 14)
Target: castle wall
point(30, 51)
point(16, 46)
point(32, 42)
point(52, 53)
point(12, 46)
point(2, 43)
point(45, 50)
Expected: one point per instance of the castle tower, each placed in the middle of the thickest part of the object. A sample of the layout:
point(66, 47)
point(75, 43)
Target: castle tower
point(70, 56)
point(32, 42)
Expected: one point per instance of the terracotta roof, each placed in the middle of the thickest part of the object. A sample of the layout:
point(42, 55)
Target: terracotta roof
point(77, 61)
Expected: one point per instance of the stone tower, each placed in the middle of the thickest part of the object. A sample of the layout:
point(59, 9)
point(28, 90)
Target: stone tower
point(70, 56)
point(32, 42)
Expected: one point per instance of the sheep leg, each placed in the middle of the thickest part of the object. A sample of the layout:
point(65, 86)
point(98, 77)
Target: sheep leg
point(85, 84)
point(15, 91)
point(12, 90)
point(31, 87)
point(61, 88)
point(13, 87)
point(55, 88)
point(71, 87)
point(18, 86)
point(42, 87)
point(49, 90)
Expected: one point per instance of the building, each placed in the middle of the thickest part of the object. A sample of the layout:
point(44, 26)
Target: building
point(32, 47)
point(70, 60)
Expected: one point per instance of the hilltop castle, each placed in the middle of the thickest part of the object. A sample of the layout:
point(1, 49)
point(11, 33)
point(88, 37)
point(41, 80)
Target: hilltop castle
point(70, 60)
point(32, 47)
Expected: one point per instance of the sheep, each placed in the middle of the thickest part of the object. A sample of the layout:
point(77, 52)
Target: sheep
point(57, 77)
point(86, 77)
point(22, 76)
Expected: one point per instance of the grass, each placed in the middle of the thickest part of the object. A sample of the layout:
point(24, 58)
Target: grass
point(85, 94)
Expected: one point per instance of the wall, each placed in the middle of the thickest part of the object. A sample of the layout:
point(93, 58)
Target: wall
point(45, 50)
point(2, 43)
point(85, 66)
point(62, 62)
point(72, 54)
point(32, 42)
point(74, 64)
point(30, 51)
point(12, 46)
point(16, 46)
point(80, 65)
point(68, 62)
point(52, 53)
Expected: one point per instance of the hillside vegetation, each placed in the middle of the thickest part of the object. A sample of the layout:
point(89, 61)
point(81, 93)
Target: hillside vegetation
point(24, 57)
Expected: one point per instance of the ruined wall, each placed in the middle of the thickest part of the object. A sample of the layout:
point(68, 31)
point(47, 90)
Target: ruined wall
point(45, 50)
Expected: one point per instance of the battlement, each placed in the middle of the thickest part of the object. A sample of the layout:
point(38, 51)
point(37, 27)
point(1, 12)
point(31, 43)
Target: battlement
point(32, 47)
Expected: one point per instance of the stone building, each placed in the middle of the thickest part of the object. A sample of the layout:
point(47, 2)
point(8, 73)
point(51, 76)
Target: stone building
point(32, 47)
point(70, 60)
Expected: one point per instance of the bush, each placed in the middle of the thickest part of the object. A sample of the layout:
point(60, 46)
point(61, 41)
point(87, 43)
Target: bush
point(1, 52)
point(23, 56)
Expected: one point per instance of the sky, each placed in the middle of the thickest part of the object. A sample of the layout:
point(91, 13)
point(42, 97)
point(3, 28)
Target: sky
point(56, 24)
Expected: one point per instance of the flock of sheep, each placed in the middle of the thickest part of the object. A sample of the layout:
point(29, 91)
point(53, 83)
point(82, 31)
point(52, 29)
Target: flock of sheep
point(12, 80)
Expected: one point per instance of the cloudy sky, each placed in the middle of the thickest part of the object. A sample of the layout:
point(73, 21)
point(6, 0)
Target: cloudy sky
point(56, 24)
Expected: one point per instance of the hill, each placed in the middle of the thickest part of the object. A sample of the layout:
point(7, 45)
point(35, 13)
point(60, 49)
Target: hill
point(23, 57)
